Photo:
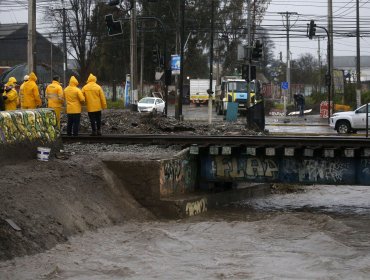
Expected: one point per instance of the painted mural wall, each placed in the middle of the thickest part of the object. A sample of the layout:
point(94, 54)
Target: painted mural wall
point(290, 170)
point(22, 131)
point(178, 175)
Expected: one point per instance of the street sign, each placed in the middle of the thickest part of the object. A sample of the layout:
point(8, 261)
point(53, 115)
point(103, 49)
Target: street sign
point(175, 64)
point(284, 85)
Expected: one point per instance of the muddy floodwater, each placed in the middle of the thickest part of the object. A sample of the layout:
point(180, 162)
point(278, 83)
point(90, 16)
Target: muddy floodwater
point(322, 232)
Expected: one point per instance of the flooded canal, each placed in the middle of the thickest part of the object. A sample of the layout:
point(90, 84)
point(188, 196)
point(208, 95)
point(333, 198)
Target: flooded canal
point(320, 232)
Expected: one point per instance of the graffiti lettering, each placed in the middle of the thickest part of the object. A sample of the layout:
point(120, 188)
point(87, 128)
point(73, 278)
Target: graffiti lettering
point(315, 170)
point(231, 167)
point(276, 113)
point(365, 166)
point(196, 207)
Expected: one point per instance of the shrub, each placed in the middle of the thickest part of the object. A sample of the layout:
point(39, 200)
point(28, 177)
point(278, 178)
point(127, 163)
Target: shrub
point(119, 104)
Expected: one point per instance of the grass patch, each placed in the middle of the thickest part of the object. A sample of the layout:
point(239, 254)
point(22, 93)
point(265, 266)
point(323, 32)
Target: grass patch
point(119, 104)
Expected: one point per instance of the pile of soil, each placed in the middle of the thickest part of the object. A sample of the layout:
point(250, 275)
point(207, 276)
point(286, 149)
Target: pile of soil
point(124, 121)
point(43, 203)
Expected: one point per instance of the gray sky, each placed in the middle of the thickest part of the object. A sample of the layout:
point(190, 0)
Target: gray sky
point(344, 12)
point(344, 22)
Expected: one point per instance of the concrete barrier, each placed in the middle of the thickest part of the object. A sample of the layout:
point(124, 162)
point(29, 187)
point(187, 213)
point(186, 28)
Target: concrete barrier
point(22, 131)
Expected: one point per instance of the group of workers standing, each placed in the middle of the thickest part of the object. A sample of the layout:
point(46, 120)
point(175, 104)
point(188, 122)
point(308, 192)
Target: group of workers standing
point(72, 97)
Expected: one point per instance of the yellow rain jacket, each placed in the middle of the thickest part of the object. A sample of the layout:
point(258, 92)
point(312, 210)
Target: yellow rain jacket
point(73, 96)
point(11, 82)
point(12, 95)
point(94, 95)
point(30, 98)
point(54, 95)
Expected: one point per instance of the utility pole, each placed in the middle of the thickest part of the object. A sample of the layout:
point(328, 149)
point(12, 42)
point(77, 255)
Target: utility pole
point(249, 53)
point(330, 53)
point(288, 27)
point(181, 80)
point(64, 47)
point(142, 43)
point(31, 43)
point(210, 92)
point(51, 57)
point(358, 56)
point(133, 52)
point(319, 59)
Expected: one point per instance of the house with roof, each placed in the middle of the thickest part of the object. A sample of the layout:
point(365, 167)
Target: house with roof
point(348, 64)
point(13, 47)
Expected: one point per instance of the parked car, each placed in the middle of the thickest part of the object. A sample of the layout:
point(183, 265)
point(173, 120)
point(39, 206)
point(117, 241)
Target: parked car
point(351, 121)
point(151, 104)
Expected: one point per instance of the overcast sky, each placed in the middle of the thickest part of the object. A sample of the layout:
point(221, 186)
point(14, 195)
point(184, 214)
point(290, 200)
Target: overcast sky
point(344, 15)
point(344, 19)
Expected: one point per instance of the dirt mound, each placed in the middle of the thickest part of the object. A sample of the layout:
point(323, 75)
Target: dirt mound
point(124, 121)
point(50, 201)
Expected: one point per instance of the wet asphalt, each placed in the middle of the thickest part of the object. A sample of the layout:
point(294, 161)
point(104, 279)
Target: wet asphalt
point(310, 124)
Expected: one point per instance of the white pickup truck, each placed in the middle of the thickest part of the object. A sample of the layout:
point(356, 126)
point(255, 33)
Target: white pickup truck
point(351, 121)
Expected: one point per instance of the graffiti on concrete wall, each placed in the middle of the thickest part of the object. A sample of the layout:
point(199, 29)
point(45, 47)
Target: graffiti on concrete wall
point(364, 171)
point(28, 125)
point(316, 170)
point(196, 207)
point(365, 166)
point(108, 91)
point(179, 176)
point(283, 169)
point(242, 167)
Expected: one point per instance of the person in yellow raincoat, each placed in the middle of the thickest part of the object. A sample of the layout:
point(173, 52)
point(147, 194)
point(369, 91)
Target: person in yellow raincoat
point(10, 95)
point(21, 96)
point(74, 98)
point(30, 98)
point(55, 97)
point(95, 103)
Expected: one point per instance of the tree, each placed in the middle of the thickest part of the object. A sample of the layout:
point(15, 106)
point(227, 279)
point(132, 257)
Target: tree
point(78, 30)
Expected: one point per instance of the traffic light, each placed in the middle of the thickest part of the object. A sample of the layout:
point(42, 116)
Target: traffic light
point(155, 54)
point(114, 27)
point(257, 50)
point(311, 29)
point(245, 73)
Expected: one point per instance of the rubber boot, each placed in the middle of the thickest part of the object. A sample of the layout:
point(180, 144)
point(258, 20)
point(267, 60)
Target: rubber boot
point(99, 132)
point(93, 133)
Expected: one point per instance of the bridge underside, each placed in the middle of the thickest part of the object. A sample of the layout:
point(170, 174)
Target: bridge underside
point(285, 165)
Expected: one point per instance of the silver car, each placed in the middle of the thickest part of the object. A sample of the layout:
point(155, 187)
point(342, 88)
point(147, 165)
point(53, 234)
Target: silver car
point(151, 104)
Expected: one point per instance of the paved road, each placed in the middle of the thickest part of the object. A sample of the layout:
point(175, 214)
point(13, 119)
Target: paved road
point(307, 125)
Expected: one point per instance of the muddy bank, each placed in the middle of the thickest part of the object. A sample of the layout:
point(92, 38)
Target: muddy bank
point(124, 121)
point(51, 201)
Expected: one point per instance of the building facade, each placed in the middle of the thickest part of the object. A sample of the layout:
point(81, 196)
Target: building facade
point(13, 47)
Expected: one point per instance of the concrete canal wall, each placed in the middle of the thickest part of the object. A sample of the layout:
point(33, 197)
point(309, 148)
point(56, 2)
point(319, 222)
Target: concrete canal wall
point(170, 187)
point(156, 179)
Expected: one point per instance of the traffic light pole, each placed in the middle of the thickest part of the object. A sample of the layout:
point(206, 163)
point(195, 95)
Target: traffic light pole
point(312, 32)
point(329, 77)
